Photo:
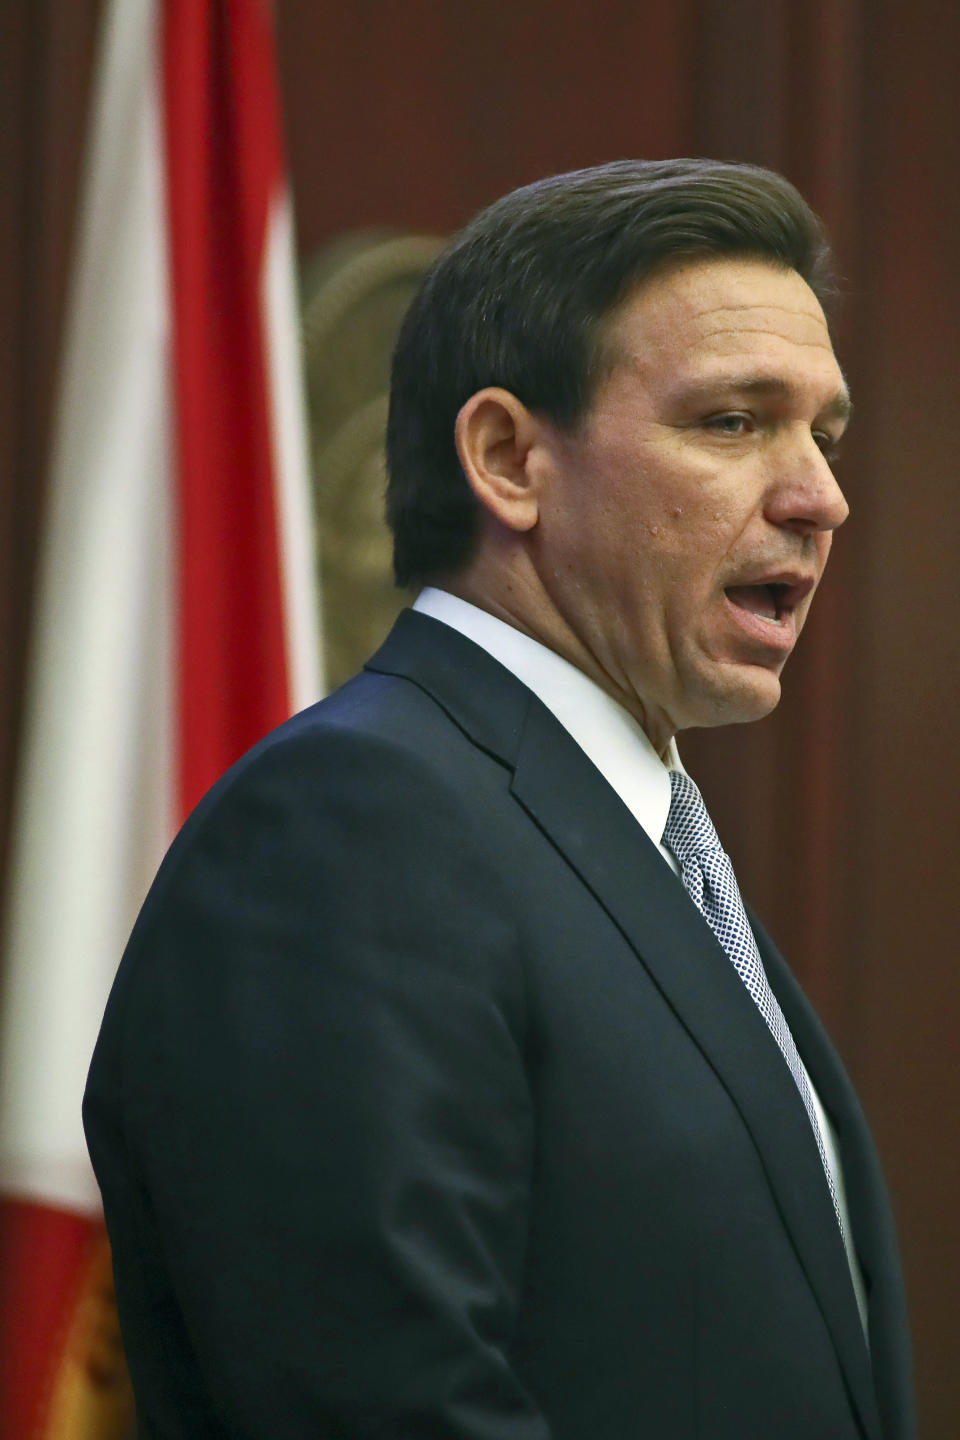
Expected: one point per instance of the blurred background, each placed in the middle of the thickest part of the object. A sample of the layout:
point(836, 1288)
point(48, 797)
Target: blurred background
point(402, 119)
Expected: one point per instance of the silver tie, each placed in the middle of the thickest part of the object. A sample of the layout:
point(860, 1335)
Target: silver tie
point(709, 879)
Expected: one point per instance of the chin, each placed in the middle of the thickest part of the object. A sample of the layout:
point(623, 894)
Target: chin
point(738, 701)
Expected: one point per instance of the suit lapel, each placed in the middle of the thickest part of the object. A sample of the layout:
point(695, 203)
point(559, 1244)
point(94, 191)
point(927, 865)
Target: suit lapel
point(871, 1216)
point(584, 818)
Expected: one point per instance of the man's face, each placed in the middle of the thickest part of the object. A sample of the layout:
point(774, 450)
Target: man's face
point(684, 526)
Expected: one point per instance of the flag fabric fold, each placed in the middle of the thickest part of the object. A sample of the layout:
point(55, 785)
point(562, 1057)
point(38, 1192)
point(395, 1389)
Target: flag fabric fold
point(175, 618)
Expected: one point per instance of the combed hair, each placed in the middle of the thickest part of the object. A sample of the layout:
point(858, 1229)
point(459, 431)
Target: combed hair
point(519, 300)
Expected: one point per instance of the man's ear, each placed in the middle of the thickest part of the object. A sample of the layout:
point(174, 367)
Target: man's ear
point(494, 434)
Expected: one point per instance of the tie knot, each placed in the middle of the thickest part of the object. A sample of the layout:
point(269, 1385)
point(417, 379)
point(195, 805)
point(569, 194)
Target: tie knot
point(689, 830)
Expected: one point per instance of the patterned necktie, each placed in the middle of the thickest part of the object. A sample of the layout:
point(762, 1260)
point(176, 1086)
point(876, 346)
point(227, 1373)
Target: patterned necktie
point(709, 879)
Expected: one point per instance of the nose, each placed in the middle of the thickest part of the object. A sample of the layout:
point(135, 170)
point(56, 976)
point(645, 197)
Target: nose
point(805, 497)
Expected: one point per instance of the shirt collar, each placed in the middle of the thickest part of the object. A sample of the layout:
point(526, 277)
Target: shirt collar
point(607, 733)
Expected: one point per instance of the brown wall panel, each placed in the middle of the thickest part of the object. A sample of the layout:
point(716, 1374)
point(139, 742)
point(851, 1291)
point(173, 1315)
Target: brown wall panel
point(908, 767)
point(415, 115)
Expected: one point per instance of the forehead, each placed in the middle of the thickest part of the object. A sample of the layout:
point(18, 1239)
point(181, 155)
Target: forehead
point(707, 317)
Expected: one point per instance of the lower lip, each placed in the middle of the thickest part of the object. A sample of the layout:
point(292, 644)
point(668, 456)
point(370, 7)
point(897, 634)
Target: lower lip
point(779, 638)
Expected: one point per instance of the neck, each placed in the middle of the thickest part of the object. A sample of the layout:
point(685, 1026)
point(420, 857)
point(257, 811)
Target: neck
point(515, 595)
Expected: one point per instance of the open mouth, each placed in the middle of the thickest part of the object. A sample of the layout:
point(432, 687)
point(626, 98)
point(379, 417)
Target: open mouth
point(774, 601)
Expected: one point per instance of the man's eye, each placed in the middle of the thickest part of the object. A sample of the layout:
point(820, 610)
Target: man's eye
point(733, 423)
point(829, 446)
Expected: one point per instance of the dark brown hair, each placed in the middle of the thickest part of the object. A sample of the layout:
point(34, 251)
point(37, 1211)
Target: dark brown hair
point(519, 299)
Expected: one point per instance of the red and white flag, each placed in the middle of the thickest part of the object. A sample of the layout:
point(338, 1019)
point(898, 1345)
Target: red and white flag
point(175, 619)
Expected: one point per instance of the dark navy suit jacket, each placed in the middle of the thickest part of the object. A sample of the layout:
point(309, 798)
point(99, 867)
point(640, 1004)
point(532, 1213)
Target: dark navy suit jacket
point(426, 1107)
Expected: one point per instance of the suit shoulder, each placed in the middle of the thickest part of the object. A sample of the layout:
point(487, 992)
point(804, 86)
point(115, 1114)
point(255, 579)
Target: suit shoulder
point(385, 718)
point(377, 771)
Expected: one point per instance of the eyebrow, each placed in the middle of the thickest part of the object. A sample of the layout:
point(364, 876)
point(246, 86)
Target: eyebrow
point(839, 408)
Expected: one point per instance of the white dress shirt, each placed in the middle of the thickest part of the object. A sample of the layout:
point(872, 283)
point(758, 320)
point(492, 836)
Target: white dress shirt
point(620, 749)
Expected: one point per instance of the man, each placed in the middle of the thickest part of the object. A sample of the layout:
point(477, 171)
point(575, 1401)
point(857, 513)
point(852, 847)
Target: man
point(444, 1091)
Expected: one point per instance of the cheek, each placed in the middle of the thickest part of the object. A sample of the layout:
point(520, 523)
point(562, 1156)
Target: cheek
point(693, 547)
point(698, 513)
point(662, 536)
